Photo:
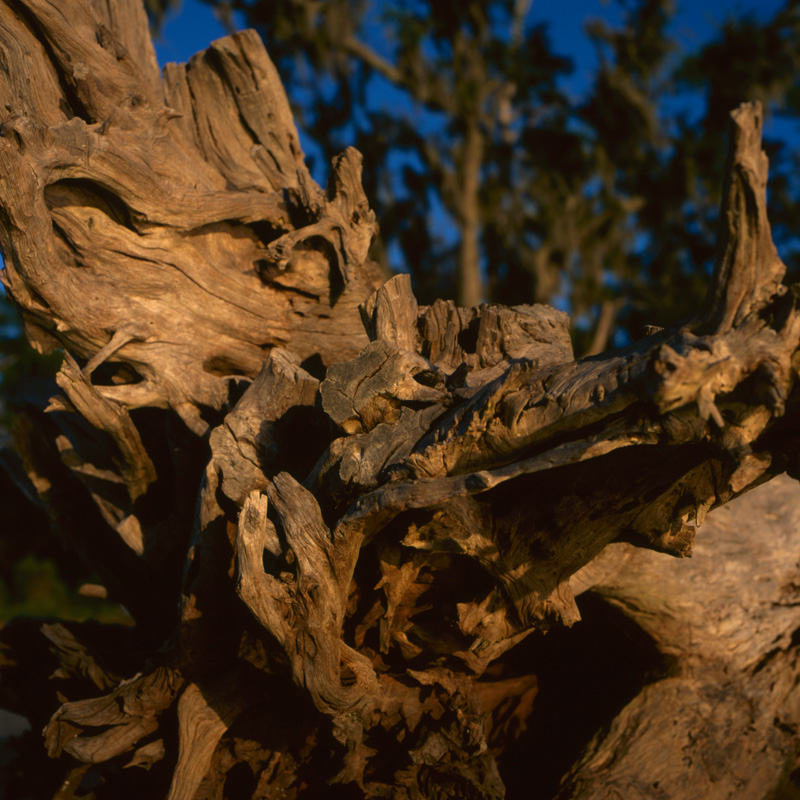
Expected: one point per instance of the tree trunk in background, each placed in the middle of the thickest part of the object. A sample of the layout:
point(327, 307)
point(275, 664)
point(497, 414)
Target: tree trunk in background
point(470, 282)
point(342, 522)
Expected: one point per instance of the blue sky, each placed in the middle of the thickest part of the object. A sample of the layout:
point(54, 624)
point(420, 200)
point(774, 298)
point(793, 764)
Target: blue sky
point(194, 25)
point(191, 28)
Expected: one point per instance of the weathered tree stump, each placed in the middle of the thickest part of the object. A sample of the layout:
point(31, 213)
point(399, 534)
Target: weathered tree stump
point(338, 518)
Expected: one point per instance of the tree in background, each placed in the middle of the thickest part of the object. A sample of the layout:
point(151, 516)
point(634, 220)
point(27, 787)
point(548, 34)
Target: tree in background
point(606, 204)
point(671, 170)
point(441, 91)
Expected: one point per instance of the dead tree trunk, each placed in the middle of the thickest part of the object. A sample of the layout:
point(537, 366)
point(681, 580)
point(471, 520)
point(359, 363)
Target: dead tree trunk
point(342, 522)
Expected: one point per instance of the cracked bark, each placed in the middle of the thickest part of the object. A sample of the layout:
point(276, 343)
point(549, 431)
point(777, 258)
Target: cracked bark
point(366, 513)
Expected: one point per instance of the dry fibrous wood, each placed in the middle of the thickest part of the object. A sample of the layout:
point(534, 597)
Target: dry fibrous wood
point(123, 194)
point(722, 720)
point(335, 515)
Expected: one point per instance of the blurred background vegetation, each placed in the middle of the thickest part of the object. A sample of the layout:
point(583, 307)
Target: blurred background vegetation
point(492, 180)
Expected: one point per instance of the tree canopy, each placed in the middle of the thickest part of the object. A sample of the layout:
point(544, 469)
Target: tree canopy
point(492, 181)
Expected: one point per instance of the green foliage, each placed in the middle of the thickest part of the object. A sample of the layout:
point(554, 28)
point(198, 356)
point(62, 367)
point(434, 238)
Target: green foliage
point(31, 584)
point(36, 589)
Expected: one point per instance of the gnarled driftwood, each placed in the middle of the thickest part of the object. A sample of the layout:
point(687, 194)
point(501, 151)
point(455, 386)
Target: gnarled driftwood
point(338, 518)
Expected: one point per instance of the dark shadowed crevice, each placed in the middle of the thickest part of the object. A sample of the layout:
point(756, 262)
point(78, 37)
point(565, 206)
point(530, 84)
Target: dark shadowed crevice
point(789, 789)
point(82, 192)
point(585, 674)
point(240, 782)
